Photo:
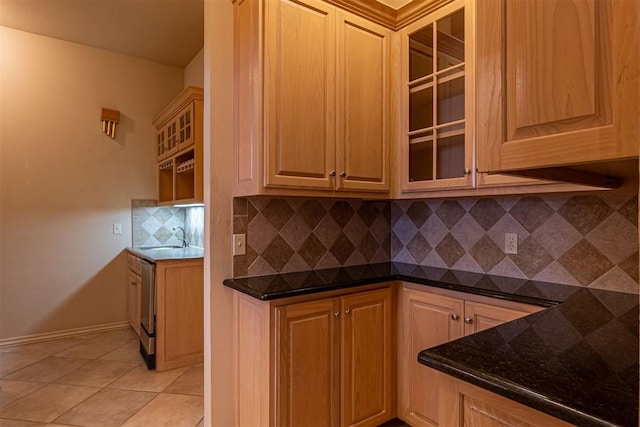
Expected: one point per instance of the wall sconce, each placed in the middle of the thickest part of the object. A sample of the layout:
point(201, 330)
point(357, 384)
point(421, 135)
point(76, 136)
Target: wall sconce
point(109, 120)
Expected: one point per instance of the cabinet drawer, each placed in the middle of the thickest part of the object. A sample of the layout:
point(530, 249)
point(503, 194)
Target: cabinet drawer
point(134, 264)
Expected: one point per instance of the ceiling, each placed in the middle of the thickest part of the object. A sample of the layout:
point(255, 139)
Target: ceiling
point(169, 32)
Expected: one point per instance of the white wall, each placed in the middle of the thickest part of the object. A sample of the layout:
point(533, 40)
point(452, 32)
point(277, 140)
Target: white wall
point(194, 71)
point(63, 183)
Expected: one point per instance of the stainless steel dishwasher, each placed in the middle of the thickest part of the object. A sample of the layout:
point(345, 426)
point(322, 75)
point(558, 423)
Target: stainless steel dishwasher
point(148, 314)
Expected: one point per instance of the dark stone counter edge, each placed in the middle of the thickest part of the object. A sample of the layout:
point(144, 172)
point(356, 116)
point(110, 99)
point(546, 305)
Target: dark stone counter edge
point(268, 296)
point(511, 391)
point(144, 255)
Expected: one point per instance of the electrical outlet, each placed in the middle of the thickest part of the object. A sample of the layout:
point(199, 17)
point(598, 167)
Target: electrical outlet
point(510, 243)
point(117, 228)
point(239, 244)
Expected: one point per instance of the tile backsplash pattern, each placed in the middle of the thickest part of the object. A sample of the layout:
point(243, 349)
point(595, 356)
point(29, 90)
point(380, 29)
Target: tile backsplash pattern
point(291, 234)
point(584, 240)
point(194, 225)
point(152, 225)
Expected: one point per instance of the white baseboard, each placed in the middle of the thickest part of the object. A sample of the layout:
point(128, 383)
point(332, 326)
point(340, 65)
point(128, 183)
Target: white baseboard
point(29, 339)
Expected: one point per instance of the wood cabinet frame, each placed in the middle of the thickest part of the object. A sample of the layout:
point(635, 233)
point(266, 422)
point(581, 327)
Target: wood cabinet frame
point(418, 385)
point(287, 143)
point(599, 121)
point(176, 186)
point(257, 353)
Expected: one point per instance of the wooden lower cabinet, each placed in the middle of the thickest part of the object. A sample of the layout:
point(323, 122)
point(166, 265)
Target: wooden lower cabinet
point(368, 358)
point(317, 362)
point(335, 361)
point(134, 292)
point(308, 364)
point(430, 317)
point(463, 404)
point(179, 313)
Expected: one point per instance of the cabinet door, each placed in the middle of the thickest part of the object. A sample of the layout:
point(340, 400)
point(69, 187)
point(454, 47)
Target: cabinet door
point(367, 358)
point(463, 404)
point(133, 301)
point(557, 82)
point(300, 93)
point(161, 144)
point(362, 113)
point(437, 100)
point(179, 314)
point(185, 129)
point(479, 317)
point(308, 365)
point(172, 138)
point(427, 320)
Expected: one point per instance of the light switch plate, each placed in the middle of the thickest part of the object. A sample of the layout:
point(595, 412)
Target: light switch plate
point(117, 228)
point(239, 244)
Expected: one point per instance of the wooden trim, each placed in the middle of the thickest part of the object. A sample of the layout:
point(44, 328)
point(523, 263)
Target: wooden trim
point(65, 333)
point(252, 358)
point(415, 10)
point(572, 176)
point(499, 191)
point(189, 94)
point(369, 9)
point(388, 16)
point(454, 394)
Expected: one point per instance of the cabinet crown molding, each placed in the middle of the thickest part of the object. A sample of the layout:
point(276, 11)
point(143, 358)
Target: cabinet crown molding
point(188, 95)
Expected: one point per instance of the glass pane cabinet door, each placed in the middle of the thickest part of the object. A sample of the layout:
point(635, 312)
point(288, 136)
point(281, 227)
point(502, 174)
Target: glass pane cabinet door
point(436, 97)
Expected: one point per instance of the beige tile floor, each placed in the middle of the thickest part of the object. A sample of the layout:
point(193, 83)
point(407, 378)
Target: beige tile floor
point(95, 380)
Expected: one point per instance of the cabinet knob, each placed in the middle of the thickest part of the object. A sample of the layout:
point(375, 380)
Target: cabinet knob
point(343, 174)
point(467, 171)
point(332, 173)
point(347, 311)
point(468, 320)
point(336, 313)
point(454, 316)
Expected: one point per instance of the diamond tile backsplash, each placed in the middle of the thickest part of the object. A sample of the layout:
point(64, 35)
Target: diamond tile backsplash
point(584, 240)
point(290, 234)
point(152, 225)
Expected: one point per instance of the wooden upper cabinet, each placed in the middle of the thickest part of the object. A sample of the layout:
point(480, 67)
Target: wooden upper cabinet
point(557, 82)
point(300, 93)
point(312, 93)
point(362, 156)
point(437, 100)
point(180, 149)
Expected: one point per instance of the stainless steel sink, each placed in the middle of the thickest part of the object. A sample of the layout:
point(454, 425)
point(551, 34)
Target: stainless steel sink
point(157, 248)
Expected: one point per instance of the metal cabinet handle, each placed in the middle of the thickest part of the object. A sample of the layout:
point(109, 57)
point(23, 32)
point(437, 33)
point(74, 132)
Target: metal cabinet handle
point(332, 173)
point(347, 311)
point(468, 320)
point(454, 316)
point(467, 171)
point(343, 174)
point(336, 313)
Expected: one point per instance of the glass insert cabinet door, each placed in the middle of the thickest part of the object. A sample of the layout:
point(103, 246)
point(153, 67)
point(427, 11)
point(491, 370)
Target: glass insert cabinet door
point(437, 150)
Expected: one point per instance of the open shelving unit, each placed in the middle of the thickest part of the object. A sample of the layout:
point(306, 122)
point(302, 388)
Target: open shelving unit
point(179, 149)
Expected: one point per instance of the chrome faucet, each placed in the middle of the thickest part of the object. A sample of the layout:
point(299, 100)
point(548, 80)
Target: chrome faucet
point(185, 244)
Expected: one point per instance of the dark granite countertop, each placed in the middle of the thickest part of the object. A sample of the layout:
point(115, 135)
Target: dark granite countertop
point(168, 254)
point(577, 360)
point(308, 282)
